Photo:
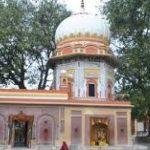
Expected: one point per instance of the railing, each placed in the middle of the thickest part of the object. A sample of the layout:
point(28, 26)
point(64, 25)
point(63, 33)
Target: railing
point(93, 99)
point(142, 133)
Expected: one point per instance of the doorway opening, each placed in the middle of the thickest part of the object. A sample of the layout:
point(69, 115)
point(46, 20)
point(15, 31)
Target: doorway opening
point(20, 133)
point(92, 90)
point(20, 130)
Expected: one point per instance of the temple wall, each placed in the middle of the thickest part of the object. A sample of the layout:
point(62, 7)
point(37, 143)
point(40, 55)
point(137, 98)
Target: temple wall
point(54, 124)
point(44, 128)
point(110, 113)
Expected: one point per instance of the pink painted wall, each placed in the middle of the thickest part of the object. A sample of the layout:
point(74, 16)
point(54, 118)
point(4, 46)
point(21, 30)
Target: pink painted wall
point(46, 129)
point(76, 130)
point(45, 123)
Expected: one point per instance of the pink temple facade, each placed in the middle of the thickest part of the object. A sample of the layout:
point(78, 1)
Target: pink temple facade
point(52, 119)
point(81, 109)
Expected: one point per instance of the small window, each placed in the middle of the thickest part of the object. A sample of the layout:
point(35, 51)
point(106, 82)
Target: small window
point(91, 90)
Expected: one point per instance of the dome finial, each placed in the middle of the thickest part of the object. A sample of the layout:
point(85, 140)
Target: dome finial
point(82, 4)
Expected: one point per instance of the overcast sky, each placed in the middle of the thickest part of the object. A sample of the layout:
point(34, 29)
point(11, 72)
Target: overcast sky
point(90, 5)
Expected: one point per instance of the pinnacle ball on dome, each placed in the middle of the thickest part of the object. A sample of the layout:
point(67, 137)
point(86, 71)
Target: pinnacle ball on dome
point(83, 23)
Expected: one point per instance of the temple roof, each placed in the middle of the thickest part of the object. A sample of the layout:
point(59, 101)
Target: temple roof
point(109, 58)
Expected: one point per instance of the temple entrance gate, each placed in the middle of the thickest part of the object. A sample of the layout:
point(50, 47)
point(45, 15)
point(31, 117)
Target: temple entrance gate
point(20, 130)
point(99, 131)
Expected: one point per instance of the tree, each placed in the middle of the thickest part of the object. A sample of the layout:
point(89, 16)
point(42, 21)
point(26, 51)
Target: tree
point(45, 22)
point(130, 26)
point(27, 41)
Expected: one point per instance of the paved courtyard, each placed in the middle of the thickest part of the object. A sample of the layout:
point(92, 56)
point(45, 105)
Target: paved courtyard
point(148, 146)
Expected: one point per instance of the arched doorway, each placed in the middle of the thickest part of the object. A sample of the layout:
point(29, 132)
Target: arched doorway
point(99, 132)
point(20, 130)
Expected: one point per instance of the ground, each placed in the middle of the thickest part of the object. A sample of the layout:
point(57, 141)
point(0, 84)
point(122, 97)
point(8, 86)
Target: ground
point(147, 144)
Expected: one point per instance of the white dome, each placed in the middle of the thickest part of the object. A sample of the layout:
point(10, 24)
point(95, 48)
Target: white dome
point(82, 23)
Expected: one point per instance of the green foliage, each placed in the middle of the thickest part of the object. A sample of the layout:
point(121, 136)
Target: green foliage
point(130, 26)
point(27, 41)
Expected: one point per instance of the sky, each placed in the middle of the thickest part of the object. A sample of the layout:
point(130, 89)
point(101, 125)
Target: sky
point(90, 5)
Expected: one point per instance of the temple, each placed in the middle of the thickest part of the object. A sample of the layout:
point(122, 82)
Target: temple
point(80, 108)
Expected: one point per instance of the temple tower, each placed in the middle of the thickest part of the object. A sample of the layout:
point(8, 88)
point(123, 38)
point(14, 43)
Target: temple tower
point(83, 63)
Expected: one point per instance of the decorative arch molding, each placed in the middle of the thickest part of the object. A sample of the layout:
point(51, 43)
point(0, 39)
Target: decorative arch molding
point(24, 122)
point(65, 50)
point(91, 50)
point(45, 130)
point(2, 128)
point(21, 116)
point(93, 81)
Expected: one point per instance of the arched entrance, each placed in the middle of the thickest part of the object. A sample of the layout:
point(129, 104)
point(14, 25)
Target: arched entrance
point(20, 130)
point(99, 131)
